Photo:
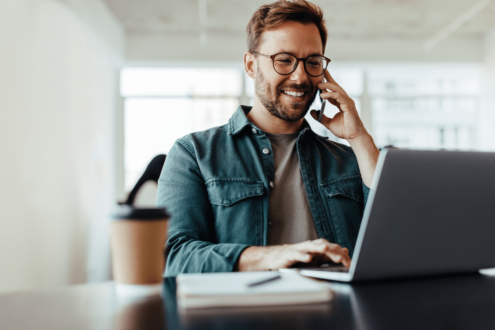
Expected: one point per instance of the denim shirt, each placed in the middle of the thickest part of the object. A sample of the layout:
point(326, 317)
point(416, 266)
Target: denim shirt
point(216, 183)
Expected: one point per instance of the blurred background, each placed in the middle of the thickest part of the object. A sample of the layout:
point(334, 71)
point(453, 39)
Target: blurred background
point(92, 90)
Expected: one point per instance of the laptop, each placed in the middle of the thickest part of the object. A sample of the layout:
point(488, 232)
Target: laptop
point(428, 213)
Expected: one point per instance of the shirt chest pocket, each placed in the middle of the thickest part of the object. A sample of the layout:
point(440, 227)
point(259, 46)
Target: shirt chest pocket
point(345, 200)
point(237, 206)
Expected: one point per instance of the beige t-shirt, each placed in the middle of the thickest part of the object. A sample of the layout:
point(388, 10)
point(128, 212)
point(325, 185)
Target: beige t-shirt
point(289, 215)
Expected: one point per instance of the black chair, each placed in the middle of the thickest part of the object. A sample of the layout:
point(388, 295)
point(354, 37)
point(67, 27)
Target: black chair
point(152, 173)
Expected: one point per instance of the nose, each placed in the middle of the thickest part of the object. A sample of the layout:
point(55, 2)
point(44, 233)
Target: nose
point(299, 75)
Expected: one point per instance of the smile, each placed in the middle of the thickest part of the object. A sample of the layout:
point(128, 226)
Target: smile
point(294, 94)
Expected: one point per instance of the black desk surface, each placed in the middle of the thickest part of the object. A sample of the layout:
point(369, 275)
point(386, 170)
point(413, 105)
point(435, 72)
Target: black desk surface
point(455, 302)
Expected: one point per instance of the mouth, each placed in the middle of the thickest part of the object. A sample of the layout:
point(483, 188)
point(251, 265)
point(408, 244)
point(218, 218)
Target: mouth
point(294, 94)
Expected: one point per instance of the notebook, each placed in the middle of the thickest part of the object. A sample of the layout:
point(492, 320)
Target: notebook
point(231, 289)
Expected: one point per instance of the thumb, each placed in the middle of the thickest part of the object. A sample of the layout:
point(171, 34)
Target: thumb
point(325, 121)
point(315, 114)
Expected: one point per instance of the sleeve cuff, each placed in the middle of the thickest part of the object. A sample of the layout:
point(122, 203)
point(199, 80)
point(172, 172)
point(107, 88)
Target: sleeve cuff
point(366, 193)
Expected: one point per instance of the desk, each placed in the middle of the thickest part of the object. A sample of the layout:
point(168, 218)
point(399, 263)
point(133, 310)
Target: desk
point(454, 302)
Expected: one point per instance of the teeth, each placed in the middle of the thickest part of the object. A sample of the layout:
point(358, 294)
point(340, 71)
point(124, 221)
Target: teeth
point(294, 94)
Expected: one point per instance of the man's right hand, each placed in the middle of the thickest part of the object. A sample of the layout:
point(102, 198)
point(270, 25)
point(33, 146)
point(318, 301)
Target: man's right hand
point(256, 258)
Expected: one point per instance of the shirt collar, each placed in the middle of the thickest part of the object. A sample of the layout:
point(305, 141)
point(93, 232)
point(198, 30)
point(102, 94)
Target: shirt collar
point(239, 121)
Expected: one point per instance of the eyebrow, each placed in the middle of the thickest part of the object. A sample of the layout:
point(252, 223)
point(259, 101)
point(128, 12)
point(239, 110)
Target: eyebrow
point(287, 52)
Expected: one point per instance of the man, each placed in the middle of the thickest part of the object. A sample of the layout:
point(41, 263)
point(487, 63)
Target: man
point(264, 191)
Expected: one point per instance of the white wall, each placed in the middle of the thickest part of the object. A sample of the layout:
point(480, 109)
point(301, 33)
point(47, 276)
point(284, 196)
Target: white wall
point(486, 132)
point(59, 66)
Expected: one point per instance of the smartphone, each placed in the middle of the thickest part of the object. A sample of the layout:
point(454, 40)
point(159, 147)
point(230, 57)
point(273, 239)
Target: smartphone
point(320, 117)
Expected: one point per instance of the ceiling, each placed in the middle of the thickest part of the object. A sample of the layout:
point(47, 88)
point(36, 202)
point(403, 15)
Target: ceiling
point(345, 18)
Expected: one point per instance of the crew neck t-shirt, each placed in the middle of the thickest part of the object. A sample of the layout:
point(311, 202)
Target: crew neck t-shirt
point(289, 215)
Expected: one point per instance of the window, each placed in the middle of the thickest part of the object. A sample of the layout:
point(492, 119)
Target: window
point(425, 108)
point(409, 107)
point(164, 104)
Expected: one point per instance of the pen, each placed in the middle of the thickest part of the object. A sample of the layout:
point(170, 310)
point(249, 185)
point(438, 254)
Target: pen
point(270, 279)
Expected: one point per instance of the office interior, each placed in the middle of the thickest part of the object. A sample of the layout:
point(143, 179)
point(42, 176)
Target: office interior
point(92, 90)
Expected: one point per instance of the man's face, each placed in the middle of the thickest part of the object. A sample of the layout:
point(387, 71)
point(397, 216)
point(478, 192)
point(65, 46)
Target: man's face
point(273, 89)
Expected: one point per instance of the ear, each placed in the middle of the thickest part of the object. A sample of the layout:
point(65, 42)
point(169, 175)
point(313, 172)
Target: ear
point(250, 64)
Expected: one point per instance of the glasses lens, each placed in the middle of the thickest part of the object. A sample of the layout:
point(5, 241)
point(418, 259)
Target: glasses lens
point(315, 65)
point(284, 63)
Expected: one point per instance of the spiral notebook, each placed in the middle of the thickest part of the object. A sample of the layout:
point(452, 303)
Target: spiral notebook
point(232, 290)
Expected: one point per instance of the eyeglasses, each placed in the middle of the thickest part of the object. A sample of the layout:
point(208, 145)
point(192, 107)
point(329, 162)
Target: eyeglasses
point(285, 63)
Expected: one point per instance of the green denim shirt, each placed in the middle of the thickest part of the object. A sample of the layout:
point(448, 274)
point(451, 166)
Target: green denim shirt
point(215, 184)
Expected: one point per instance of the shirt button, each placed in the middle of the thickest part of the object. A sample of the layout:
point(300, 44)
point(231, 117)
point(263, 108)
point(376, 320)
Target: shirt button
point(272, 184)
point(255, 131)
point(266, 151)
point(270, 223)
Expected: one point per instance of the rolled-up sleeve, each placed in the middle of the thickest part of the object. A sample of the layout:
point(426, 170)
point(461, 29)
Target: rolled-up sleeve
point(191, 235)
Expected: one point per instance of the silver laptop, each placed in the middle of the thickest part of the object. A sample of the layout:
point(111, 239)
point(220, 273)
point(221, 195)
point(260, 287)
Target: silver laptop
point(428, 213)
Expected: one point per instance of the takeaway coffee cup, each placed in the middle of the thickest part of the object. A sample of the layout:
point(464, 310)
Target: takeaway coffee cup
point(138, 238)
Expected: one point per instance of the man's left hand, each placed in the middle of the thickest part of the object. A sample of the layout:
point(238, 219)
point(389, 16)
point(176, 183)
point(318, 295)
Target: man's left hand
point(346, 124)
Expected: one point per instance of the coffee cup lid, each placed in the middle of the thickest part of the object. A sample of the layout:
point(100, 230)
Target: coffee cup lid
point(127, 212)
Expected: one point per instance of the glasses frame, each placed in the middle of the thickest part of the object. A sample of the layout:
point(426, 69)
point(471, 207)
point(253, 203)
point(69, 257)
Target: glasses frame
point(272, 57)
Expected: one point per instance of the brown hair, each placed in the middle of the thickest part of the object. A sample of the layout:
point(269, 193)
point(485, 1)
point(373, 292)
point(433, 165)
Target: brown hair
point(270, 16)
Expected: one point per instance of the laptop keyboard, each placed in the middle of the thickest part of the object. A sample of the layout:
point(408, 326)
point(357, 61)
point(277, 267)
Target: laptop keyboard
point(337, 269)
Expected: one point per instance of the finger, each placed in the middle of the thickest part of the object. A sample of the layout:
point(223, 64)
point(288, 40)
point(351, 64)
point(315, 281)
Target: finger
point(345, 258)
point(339, 100)
point(337, 96)
point(330, 86)
point(335, 252)
point(301, 256)
point(325, 121)
point(335, 103)
point(332, 101)
point(315, 114)
point(339, 257)
point(329, 77)
point(346, 261)
point(320, 246)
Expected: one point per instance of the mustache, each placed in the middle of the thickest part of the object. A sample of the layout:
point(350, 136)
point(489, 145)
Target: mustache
point(301, 87)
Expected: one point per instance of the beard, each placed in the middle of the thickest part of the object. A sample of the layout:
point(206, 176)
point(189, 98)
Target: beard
point(274, 105)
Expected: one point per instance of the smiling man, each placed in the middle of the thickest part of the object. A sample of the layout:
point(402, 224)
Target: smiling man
point(264, 191)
